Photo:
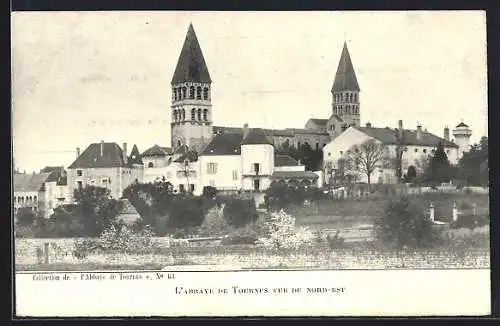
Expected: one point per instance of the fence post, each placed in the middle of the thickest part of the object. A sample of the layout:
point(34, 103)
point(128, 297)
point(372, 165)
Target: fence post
point(431, 212)
point(455, 212)
point(46, 252)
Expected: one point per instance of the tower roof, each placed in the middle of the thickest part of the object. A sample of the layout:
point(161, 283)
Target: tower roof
point(345, 78)
point(461, 124)
point(191, 66)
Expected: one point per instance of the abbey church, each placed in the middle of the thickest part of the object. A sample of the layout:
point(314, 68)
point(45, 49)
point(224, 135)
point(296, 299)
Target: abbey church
point(192, 123)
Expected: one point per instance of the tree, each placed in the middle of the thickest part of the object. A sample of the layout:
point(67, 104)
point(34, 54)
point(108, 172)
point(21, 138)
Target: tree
point(312, 159)
point(239, 212)
point(25, 216)
point(473, 166)
point(439, 169)
point(366, 157)
point(96, 208)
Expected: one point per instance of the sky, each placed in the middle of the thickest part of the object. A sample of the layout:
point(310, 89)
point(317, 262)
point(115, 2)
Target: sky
point(83, 77)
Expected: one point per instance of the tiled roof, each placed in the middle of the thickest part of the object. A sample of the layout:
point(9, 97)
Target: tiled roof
point(336, 117)
point(191, 66)
point(256, 136)
point(134, 157)
point(29, 182)
point(345, 78)
point(388, 136)
point(320, 122)
point(91, 157)
point(461, 124)
point(190, 155)
point(288, 132)
point(157, 151)
point(224, 144)
point(294, 175)
point(284, 160)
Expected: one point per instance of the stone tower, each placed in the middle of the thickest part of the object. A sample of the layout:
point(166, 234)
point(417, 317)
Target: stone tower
point(462, 134)
point(191, 99)
point(345, 91)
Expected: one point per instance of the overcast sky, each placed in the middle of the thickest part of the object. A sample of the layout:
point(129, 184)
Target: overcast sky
point(83, 77)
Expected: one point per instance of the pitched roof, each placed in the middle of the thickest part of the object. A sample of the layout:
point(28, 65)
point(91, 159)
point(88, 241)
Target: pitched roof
point(461, 124)
point(294, 175)
point(29, 182)
point(320, 122)
point(191, 66)
point(288, 132)
point(157, 151)
point(57, 174)
point(389, 136)
point(181, 149)
point(284, 160)
point(256, 136)
point(224, 144)
point(190, 155)
point(135, 156)
point(337, 117)
point(91, 157)
point(345, 78)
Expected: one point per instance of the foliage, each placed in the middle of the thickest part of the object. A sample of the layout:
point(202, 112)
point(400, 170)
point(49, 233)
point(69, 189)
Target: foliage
point(473, 166)
point(281, 195)
point(404, 224)
point(336, 241)
point(96, 208)
point(282, 234)
point(439, 169)
point(214, 222)
point(83, 247)
point(239, 212)
point(25, 216)
point(309, 157)
point(186, 211)
point(366, 157)
point(123, 239)
point(209, 191)
point(470, 221)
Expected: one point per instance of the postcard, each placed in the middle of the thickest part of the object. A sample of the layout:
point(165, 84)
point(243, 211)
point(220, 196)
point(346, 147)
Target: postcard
point(175, 163)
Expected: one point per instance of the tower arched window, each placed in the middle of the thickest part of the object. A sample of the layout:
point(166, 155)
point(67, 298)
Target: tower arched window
point(205, 93)
point(184, 91)
point(193, 114)
point(191, 92)
point(356, 97)
point(205, 115)
point(150, 164)
point(351, 97)
point(199, 114)
point(183, 114)
point(175, 115)
point(198, 93)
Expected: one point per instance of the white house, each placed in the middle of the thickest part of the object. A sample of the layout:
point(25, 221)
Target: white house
point(417, 144)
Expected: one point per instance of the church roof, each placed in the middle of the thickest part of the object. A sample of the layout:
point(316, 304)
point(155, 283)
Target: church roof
point(157, 151)
point(191, 66)
point(256, 136)
point(388, 136)
point(284, 160)
point(345, 78)
point(224, 144)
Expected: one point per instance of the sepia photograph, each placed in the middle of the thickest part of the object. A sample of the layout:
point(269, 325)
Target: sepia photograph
point(175, 141)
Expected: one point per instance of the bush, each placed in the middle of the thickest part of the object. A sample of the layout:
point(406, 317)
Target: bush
point(25, 216)
point(470, 221)
point(209, 192)
point(123, 239)
point(404, 224)
point(214, 223)
point(186, 212)
point(281, 233)
point(240, 212)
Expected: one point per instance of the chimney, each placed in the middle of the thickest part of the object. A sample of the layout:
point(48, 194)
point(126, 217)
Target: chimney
point(102, 148)
point(77, 152)
point(400, 129)
point(368, 125)
point(447, 133)
point(419, 131)
point(245, 130)
point(124, 151)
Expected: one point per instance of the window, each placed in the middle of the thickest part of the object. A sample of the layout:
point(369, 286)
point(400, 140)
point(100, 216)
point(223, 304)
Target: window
point(317, 146)
point(79, 173)
point(191, 188)
point(175, 115)
point(256, 168)
point(181, 188)
point(329, 154)
point(341, 152)
point(256, 184)
point(198, 93)
point(235, 174)
point(191, 92)
point(183, 114)
point(205, 93)
point(184, 91)
point(211, 168)
point(105, 182)
point(298, 144)
point(92, 182)
point(79, 184)
point(150, 165)
point(34, 199)
point(424, 150)
point(193, 114)
point(199, 114)
point(416, 150)
point(205, 114)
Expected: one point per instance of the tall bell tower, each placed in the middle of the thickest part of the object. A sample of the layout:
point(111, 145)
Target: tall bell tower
point(191, 109)
point(345, 91)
